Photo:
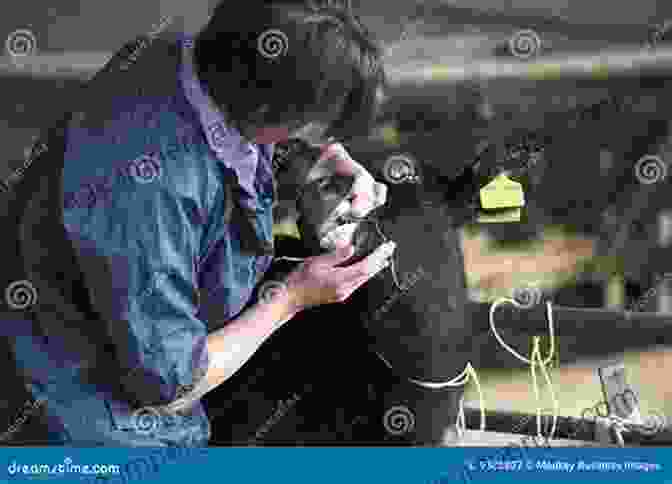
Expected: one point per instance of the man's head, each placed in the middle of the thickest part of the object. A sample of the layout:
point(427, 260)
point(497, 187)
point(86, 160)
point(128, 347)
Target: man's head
point(286, 68)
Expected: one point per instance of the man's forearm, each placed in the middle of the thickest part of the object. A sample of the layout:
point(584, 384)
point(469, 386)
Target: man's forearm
point(231, 346)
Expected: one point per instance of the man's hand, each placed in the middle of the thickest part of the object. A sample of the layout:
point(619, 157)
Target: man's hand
point(318, 281)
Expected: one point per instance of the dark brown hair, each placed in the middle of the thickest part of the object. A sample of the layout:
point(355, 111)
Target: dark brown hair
point(315, 58)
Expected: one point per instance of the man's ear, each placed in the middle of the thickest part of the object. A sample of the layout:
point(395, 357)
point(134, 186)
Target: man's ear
point(256, 119)
point(262, 110)
point(253, 121)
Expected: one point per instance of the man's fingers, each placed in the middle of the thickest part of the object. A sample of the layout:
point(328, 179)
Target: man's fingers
point(363, 280)
point(341, 254)
point(370, 266)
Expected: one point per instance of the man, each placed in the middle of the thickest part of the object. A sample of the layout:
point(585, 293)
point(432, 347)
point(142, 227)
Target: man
point(167, 193)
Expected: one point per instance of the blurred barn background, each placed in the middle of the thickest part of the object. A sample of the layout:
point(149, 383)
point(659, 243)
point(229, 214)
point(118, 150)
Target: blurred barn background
point(592, 234)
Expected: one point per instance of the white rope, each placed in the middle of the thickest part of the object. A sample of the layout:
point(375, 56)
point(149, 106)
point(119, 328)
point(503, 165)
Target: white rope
point(535, 360)
point(459, 380)
point(469, 372)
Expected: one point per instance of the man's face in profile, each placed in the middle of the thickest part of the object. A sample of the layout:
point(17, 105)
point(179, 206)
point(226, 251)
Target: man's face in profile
point(313, 133)
point(309, 127)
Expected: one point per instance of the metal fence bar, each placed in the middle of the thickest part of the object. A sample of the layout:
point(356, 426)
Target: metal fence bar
point(570, 321)
point(570, 428)
point(446, 69)
point(596, 65)
point(664, 289)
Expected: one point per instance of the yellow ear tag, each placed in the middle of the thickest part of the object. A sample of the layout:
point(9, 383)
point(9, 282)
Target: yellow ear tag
point(286, 228)
point(501, 216)
point(502, 192)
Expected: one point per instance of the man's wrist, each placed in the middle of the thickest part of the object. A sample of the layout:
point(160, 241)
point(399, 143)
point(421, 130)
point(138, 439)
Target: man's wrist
point(284, 303)
point(294, 300)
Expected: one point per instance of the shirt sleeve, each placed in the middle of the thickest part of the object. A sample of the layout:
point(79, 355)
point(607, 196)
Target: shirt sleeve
point(138, 250)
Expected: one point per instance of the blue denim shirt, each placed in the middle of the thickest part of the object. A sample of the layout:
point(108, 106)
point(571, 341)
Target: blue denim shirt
point(161, 198)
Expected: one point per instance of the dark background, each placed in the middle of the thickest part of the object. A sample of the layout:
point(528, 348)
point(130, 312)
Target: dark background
point(589, 185)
